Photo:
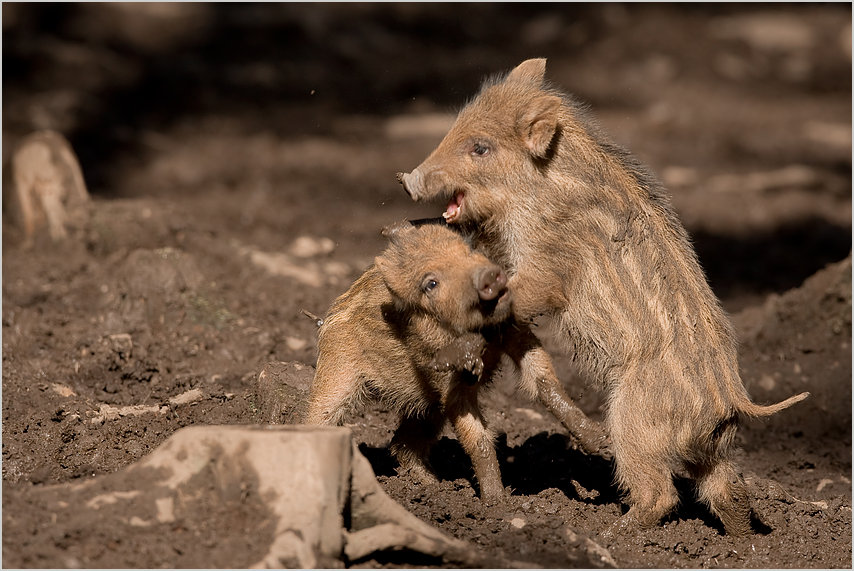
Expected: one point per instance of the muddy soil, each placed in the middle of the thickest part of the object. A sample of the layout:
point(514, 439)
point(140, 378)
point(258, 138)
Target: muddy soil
point(241, 161)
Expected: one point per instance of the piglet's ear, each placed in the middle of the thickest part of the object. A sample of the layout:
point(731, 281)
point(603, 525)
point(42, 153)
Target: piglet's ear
point(394, 231)
point(384, 266)
point(529, 71)
point(391, 278)
point(538, 122)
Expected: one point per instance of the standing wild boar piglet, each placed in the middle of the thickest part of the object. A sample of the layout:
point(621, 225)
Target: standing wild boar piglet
point(424, 329)
point(588, 236)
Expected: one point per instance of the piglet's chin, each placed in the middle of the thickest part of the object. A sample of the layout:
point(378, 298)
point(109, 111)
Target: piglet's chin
point(506, 300)
point(501, 308)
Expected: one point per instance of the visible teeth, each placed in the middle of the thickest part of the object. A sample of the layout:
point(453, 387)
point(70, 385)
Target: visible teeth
point(446, 215)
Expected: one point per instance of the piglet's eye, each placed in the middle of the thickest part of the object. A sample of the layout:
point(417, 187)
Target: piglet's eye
point(480, 150)
point(429, 285)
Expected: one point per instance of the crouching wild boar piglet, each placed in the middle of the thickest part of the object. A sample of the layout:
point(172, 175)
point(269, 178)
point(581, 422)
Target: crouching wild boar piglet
point(424, 328)
point(589, 237)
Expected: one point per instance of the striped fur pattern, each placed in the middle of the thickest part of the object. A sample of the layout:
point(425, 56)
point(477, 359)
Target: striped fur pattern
point(380, 338)
point(589, 237)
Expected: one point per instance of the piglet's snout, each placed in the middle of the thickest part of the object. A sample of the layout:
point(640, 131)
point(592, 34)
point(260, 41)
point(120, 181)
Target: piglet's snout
point(490, 282)
point(412, 182)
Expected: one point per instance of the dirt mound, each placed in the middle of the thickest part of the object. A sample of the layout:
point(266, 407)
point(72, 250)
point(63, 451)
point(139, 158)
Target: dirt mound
point(817, 358)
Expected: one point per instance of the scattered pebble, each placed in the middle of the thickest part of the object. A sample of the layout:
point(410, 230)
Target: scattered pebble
point(62, 390)
point(767, 382)
point(295, 343)
point(823, 484)
point(679, 177)
point(788, 177)
point(308, 247)
point(831, 134)
point(187, 397)
point(765, 31)
point(532, 414)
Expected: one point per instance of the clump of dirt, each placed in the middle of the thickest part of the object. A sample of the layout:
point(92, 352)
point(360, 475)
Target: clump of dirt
point(816, 358)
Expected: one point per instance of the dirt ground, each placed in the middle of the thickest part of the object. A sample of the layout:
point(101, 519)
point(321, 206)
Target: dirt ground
point(241, 160)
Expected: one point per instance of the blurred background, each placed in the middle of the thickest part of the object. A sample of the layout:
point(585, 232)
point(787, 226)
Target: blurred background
point(744, 110)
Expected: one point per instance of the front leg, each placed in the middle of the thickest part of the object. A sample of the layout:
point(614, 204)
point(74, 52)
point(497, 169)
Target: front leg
point(462, 354)
point(539, 380)
point(463, 411)
point(533, 296)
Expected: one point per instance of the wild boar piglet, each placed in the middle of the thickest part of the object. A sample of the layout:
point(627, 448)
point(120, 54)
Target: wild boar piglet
point(424, 329)
point(588, 236)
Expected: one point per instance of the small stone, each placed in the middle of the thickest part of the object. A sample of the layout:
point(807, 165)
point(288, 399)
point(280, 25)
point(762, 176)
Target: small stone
point(308, 247)
point(62, 390)
point(295, 343)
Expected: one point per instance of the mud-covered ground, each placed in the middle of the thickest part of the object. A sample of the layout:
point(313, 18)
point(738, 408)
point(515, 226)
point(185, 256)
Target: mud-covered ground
point(241, 161)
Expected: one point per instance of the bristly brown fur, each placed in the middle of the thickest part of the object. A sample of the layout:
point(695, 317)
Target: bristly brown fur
point(590, 238)
point(385, 335)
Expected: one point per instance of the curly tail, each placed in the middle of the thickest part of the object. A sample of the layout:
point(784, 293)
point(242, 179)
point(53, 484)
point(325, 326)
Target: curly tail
point(757, 410)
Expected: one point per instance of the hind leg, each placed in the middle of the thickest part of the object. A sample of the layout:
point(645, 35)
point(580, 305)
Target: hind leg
point(652, 494)
point(724, 491)
point(643, 467)
point(413, 440)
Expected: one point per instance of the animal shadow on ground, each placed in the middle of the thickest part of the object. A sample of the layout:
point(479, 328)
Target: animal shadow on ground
point(690, 507)
point(549, 461)
point(541, 462)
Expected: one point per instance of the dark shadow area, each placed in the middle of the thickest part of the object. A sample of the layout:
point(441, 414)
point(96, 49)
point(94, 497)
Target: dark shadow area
point(291, 68)
point(401, 558)
point(542, 462)
point(690, 507)
point(759, 526)
point(383, 463)
point(283, 67)
point(770, 262)
point(548, 461)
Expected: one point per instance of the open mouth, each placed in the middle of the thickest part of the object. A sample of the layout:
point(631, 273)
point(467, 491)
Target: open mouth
point(453, 211)
point(496, 309)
